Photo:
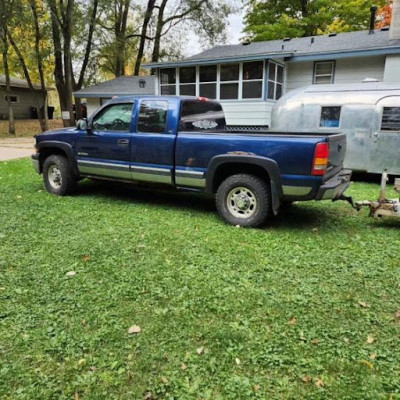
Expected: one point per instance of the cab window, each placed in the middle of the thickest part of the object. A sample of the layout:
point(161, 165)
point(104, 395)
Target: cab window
point(115, 118)
point(153, 116)
point(391, 119)
point(330, 117)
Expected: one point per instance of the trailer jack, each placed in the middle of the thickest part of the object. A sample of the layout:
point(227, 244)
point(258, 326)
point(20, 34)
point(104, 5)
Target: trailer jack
point(383, 207)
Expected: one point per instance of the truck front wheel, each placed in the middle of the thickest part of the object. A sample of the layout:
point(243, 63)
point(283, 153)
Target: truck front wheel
point(58, 176)
point(244, 200)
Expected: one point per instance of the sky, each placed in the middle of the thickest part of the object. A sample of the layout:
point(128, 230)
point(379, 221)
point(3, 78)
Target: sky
point(234, 33)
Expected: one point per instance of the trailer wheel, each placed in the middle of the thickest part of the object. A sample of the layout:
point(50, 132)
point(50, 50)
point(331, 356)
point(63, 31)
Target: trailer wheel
point(244, 200)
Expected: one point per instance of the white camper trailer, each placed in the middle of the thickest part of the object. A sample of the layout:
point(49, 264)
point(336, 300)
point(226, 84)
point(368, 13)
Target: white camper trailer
point(369, 114)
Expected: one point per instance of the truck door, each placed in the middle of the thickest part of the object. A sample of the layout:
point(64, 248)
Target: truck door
point(105, 150)
point(153, 142)
point(386, 139)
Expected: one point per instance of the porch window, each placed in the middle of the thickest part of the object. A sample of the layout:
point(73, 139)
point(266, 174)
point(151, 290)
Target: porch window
point(275, 81)
point(208, 81)
point(168, 81)
point(253, 73)
point(324, 72)
point(229, 81)
point(187, 81)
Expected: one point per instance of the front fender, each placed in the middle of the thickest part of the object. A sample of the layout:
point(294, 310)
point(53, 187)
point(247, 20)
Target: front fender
point(66, 148)
point(270, 166)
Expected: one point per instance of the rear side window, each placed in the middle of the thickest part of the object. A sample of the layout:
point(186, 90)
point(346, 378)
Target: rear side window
point(153, 116)
point(391, 119)
point(199, 115)
point(330, 117)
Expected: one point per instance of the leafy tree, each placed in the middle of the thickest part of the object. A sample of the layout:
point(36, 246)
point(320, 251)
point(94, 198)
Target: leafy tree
point(277, 19)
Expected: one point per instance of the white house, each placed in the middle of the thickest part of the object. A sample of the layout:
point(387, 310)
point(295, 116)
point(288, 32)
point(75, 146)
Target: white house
point(248, 78)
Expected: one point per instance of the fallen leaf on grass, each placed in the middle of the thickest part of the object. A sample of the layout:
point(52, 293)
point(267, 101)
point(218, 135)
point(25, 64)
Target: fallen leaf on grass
point(81, 361)
point(367, 363)
point(200, 350)
point(315, 230)
point(306, 379)
point(183, 366)
point(76, 396)
point(134, 329)
point(319, 382)
point(370, 339)
point(164, 379)
point(373, 356)
point(148, 396)
point(256, 388)
point(315, 341)
point(71, 273)
point(86, 257)
point(293, 321)
point(363, 304)
point(237, 361)
point(397, 315)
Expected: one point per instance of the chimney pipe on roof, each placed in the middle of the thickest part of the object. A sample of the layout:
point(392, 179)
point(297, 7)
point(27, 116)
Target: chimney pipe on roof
point(394, 32)
point(373, 10)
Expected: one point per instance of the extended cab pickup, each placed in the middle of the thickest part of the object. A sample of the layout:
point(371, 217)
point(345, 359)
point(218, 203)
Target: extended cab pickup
point(183, 143)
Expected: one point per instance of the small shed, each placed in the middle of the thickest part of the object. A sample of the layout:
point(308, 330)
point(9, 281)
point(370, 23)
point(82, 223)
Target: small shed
point(22, 98)
point(98, 94)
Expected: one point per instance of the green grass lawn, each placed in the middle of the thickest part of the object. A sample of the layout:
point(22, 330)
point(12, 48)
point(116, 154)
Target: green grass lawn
point(305, 308)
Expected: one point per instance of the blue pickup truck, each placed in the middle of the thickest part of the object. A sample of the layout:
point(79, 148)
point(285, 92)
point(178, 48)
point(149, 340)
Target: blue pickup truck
point(183, 143)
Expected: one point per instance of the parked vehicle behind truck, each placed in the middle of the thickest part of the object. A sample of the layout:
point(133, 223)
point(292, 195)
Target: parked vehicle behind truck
point(182, 143)
point(368, 113)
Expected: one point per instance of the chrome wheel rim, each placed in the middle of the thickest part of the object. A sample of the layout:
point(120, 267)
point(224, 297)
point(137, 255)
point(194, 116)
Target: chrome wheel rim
point(54, 177)
point(242, 202)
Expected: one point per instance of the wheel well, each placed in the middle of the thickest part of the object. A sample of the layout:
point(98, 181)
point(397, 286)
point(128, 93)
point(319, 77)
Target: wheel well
point(228, 169)
point(49, 151)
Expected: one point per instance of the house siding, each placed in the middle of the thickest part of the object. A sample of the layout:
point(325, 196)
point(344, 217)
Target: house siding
point(22, 109)
point(93, 103)
point(352, 70)
point(248, 112)
point(392, 69)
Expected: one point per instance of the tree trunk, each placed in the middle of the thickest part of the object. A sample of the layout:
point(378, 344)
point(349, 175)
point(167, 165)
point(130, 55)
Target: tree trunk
point(61, 27)
point(28, 79)
point(4, 42)
point(11, 123)
point(157, 39)
point(121, 20)
point(146, 20)
point(44, 115)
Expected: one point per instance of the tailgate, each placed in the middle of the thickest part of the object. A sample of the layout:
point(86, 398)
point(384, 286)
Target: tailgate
point(337, 152)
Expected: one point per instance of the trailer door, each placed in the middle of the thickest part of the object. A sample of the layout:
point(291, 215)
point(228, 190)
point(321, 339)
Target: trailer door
point(386, 139)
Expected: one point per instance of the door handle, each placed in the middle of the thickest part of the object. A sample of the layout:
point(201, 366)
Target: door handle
point(123, 142)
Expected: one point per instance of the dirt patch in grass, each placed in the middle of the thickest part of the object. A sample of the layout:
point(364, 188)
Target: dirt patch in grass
point(27, 127)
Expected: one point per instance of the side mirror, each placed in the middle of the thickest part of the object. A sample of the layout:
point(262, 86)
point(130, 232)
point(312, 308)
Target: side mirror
point(83, 125)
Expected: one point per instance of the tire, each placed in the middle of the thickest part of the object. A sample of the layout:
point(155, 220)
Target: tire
point(244, 200)
point(58, 176)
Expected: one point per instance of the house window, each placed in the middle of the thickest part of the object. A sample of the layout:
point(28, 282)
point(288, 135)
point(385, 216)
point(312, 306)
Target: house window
point(253, 73)
point(168, 81)
point(208, 81)
point(330, 117)
point(324, 72)
point(391, 119)
point(13, 98)
point(187, 81)
point(229, 82)
point(275, 81)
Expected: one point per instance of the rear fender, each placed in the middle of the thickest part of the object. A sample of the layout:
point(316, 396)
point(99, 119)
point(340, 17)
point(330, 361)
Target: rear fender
point(270, 167)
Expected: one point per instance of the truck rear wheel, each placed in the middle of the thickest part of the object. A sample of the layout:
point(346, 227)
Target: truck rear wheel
point(58, 176)
point(244, 200)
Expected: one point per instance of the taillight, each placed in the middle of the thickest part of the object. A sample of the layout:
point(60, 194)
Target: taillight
point(320, 162)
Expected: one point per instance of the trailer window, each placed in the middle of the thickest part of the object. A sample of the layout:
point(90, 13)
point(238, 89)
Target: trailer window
point(391, 119)
point(330, 117)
